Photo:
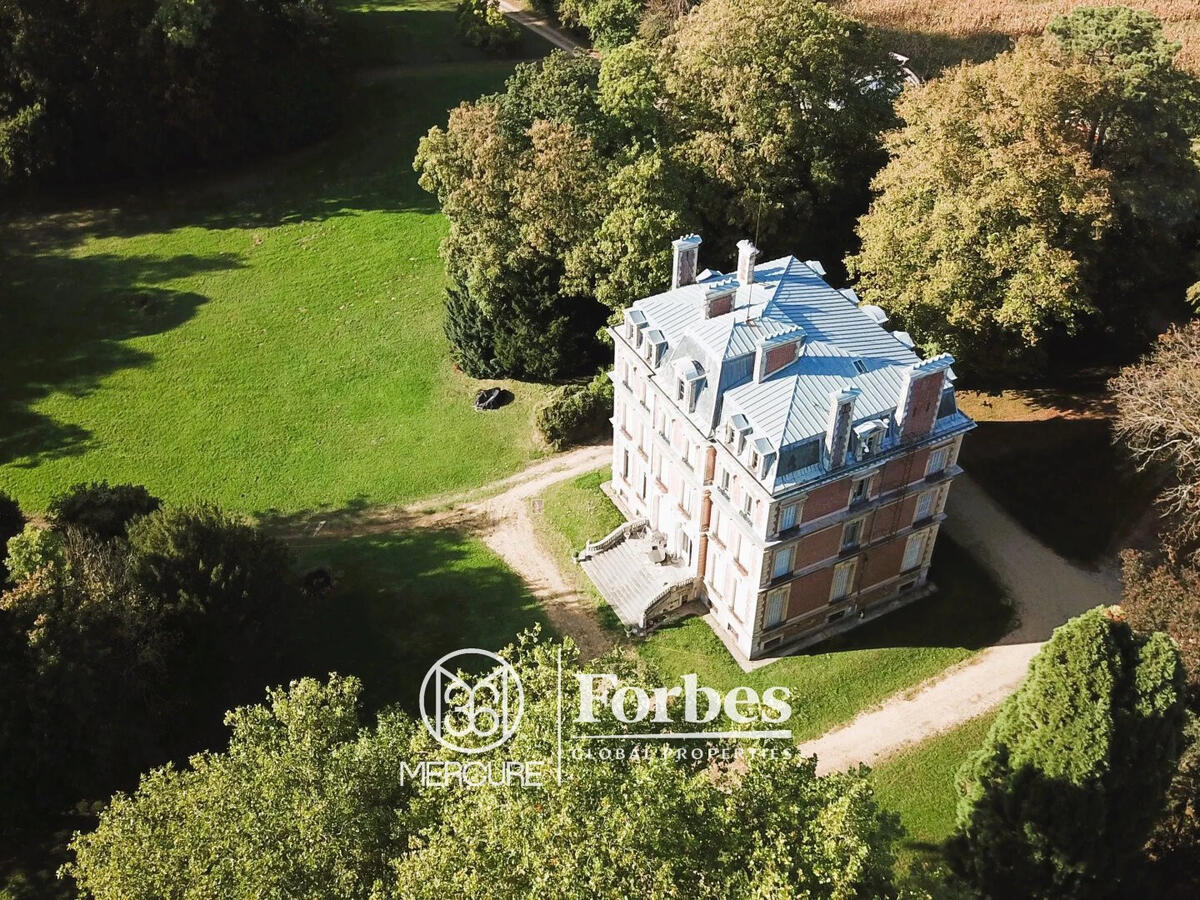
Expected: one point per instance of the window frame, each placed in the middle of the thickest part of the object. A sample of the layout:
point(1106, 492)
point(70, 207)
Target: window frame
point(858, 524)
point(849, 567)
point(783, 553)
point(780, 596)
point(944, 454)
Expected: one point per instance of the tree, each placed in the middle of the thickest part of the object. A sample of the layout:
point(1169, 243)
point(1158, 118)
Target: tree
point(91, 90)
point(781, 105)
point(609, 22)
point(306, 803)
point(978, 238)
point(1174, 846)
point(1165, 597)
point(1074, 771)
point(1048, 192)
point(103, 509)
point(1158, 420)
point(755, 117)
point(482, 24)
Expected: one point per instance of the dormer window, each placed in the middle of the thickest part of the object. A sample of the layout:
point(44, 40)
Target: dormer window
point(755, 459)
point(680, 390)
point(868, 437)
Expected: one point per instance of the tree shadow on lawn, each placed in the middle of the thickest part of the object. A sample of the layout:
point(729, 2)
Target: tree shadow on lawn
point(404, 599)
point(66, 320)
point(931, 52)
point(1063, 479)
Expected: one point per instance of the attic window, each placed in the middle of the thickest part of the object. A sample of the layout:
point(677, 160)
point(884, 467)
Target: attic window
point(860, 367)
point(680, 390)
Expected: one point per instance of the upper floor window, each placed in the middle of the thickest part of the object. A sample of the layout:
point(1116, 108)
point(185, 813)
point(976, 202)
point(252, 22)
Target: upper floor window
point(937, 460)
point(787, 517)
point(747, 505)
point(924, 506)
point(783, 563)
point(724, 483)
point(754, 460)
point(680, 390)
point(852, 534)
point(859, 490)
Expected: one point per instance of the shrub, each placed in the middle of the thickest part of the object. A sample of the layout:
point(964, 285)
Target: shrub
point(102, 509)
point(481, 24)
point(33, 549)
point(577, 412)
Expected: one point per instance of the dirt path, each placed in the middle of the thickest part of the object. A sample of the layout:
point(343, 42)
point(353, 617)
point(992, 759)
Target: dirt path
point(1046, 590)
point(498, 514)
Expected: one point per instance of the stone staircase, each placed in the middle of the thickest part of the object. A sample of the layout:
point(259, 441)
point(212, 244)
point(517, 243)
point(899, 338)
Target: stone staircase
point(641, 592)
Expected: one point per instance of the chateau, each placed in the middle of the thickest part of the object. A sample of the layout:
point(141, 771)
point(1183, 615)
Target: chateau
point(780, 455)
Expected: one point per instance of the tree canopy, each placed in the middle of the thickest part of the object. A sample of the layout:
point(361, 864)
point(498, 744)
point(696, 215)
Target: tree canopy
point(308, 798)
point(1074, 771)
point(134, 86)
point(751, 118)
point(1048, 190)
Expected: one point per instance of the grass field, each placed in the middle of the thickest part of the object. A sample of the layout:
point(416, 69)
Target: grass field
point(836, 679)
point(940, 33)
point(919, 785)
point(574, 512)
point(269, 339)
point(403, 600)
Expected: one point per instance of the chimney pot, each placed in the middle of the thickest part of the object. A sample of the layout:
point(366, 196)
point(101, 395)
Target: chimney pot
point(685, 254)
point(747, 254)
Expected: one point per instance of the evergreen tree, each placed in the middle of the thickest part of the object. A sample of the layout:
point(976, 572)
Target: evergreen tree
point(1075, 769)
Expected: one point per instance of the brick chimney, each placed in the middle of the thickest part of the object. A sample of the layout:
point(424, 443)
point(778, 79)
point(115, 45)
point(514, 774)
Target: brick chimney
point(837, 431)
point(685, 255)
point(747, 254)
point(920, 395)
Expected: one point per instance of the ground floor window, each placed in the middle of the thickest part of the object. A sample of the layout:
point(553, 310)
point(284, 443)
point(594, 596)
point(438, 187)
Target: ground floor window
point(776, 604)
point(914, 550)
point(843, 578)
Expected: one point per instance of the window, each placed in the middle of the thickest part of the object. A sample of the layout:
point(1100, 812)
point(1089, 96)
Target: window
point(914, 551)
point(747, 504)
point(754, 460)
point(787, 517)
point(685, 546)
point(937, 460)
point(725, 482)
point(859, 491)
point(680, 390)
point(625, 465)
point(625, 374)
point(685, 499)
point(924, 506)
point(852, 534)
point(741, 599)
point(783, 563)
point(843, 578)
point(685, 453)
point(776, 604)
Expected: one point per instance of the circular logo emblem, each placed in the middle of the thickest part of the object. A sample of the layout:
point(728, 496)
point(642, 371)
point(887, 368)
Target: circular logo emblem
point(455, 707)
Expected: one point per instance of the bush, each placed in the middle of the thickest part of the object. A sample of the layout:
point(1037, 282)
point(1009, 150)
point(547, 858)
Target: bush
point(481, 24)
point(576, 413)
point(33, 549)
point(102, 509)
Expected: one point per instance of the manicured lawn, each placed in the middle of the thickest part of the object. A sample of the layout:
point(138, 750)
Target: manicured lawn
point(1049, 459)
point(836, 679)
point(402, 600)
point(574, 512)
point(270, 340)
point(919, 785)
